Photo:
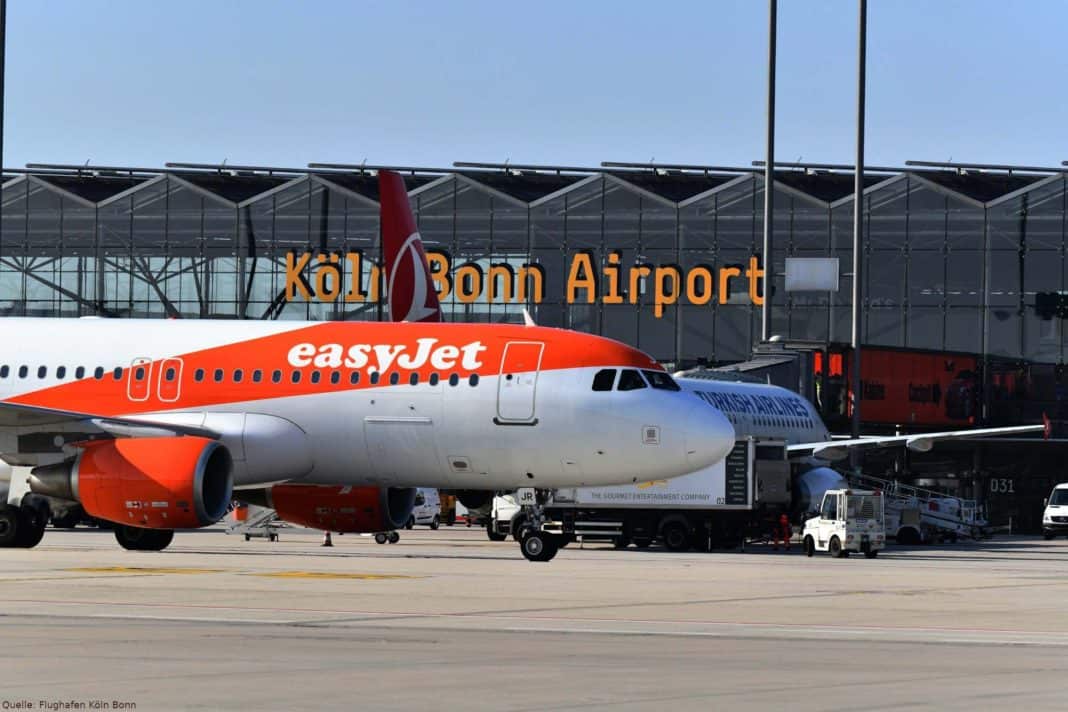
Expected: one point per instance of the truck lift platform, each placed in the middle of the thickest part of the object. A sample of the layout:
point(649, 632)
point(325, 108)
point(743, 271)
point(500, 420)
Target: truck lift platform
point(259, 522)
point(916, 515)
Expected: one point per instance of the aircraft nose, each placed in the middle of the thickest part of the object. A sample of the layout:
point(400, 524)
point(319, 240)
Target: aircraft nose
point(709, 435)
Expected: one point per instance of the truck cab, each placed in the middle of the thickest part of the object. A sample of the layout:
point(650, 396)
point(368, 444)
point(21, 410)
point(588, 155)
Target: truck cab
point(848, 521)
point(1055, 516)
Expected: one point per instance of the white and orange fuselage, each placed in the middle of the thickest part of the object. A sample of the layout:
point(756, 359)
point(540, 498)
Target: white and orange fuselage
point(362, 403)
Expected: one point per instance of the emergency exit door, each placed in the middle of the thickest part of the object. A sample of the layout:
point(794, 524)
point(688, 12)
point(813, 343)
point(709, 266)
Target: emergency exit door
point(517, 385)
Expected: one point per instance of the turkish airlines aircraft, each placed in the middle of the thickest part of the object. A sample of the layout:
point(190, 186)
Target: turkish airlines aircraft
point(766, 411)
point(151, 424)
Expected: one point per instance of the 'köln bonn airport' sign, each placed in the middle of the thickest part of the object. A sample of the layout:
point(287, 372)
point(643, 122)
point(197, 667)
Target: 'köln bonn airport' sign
point(350, 277)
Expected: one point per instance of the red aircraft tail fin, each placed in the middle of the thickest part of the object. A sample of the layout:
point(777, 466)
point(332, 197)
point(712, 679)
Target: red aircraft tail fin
point(409, 288)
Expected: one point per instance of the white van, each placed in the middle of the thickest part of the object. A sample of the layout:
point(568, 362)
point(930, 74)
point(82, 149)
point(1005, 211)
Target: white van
point(1055, 518)
point(427, 509)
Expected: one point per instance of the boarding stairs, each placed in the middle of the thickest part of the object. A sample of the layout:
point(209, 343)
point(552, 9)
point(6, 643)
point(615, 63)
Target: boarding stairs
point(261, 522)
point(936, 515)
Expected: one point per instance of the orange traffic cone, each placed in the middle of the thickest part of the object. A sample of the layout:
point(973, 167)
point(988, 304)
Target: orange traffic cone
point(326, 539)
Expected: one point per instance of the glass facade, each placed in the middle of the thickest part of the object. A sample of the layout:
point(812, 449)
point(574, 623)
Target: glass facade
point(952, 262)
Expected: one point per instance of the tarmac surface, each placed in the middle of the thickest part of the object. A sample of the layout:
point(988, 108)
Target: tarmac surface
point(449, 619)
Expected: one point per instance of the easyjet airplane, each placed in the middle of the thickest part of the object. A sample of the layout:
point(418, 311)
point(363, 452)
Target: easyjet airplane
point(151, 424)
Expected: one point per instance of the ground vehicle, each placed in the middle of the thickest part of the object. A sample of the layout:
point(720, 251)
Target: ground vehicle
point(448, 508)
point(1055, 516)
point(427, 509)
point(849, 520)
point(716, 506)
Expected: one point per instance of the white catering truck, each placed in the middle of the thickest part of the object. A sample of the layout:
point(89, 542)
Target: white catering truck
point(717, 506)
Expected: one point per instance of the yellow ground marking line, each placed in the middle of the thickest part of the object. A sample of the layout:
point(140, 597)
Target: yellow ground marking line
point(141, 570)
point(329, 575)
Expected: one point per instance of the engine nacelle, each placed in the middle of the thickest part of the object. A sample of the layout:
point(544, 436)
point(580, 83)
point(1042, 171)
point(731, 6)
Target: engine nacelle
point(811, 486)
point(154, 483)
point(342, 509)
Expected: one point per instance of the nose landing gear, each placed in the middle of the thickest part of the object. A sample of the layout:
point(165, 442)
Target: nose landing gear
point(535, 543)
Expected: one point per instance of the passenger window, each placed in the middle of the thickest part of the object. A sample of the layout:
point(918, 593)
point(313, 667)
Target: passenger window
point(276, 376)
point(218, 375)
point(257, 376)
point(117, 373)
point(473, 379)
point(295, 376)
point(139, 374)
point(42, 371)
point(394, 378)
point(198, 375)
point(78, 372)
point(4, 371)
point(454, 379)
point(374, 378)
point(98, 373)
point(335, 377)
point(170, 374)
point(315, 376)
point(413, 379)
point(630, 380)
point(354, 377)
point(239, 375)
point(604, 379)
point(660, 379)
point(434, 378)
point(61, 372)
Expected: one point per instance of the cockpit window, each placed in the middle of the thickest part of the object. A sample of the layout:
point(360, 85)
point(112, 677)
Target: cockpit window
point(659, 379)
point(604, 379)
point(630, 380)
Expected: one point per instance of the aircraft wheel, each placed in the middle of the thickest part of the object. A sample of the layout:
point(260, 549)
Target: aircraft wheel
point(381, 538)
point(810, 546)
point(140, 539)
point(538, 546)
point(9, 526)
point(393, 537)
point(31, 526)
point(435, 522)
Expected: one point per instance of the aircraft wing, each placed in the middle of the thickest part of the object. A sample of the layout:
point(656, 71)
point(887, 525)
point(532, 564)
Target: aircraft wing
point(919, 442)
point(28, 418)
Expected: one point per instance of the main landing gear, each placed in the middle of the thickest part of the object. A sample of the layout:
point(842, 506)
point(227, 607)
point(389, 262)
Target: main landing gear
point(536, 544)
point(387, 537)
point(138, 539)
point(23, 526)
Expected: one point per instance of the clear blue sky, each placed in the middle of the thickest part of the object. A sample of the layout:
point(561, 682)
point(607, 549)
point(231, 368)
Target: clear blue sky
point(140, 82)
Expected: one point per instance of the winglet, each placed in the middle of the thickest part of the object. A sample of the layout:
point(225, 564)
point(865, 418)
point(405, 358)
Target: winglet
point(528, 320)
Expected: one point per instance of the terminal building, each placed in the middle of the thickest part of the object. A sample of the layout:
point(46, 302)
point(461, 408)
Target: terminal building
point(963, 266)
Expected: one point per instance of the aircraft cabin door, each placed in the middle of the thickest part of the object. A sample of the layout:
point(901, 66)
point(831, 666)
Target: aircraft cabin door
point(517, 385)
point(139, 379)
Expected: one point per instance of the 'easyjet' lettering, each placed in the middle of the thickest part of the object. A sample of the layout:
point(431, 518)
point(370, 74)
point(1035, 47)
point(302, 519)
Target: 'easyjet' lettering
point(381, 357)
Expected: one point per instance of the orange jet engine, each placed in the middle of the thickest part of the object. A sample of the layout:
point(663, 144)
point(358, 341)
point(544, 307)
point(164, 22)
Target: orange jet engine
point(152, 483)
